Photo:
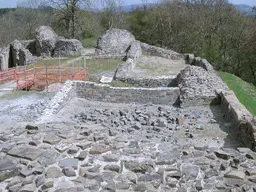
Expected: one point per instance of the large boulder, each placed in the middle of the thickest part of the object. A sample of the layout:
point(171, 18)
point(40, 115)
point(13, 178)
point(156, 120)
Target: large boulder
point(19, 55)
point(68, 47)
point(199, 86)
point(4, 58)
point(115, 41)
point(135, 51)
point(45, 41)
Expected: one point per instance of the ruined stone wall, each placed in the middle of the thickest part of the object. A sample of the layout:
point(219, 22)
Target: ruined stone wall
point(241, 118)
point(204, 82)
point(106, 93)
point(4, 57)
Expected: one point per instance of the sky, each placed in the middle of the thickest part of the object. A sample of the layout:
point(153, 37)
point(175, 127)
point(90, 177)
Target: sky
point(13, 3)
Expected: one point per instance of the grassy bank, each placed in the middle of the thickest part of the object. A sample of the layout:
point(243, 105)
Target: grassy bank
point(245, 92)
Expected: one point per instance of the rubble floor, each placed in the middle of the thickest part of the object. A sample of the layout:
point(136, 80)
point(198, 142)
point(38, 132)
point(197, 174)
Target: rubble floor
point(96, 146)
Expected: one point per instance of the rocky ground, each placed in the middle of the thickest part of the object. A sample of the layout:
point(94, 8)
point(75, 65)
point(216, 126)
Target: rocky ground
point(93, 146)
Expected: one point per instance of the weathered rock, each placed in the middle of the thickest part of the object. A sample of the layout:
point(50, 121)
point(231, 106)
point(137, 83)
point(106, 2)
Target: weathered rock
point(235, 174)
point(136, 166)
point(30, 45)
point(45, 41)
point(135, 51)
point(48, 157)
point(68, 47)
point(222, 154)
point(98, 149)
point(20, 56)
point(115, 41)
point(4, 58)
point(25, 152)
point(198, 85)
point(28, 188)
point(189, 170)
point(53, 172)
point(7, 169)
point(69, 162)
point(111, 157)
point(115, 168)
point(51, 139)
point(69, 172)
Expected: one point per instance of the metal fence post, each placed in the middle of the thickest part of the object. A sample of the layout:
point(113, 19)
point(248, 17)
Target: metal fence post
point(46, 76)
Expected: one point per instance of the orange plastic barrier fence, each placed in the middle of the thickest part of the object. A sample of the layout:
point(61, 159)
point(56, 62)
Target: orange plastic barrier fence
point(40, 78)
point(7, 75)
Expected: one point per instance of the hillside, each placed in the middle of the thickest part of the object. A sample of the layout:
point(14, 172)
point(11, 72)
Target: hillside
point(244, 91)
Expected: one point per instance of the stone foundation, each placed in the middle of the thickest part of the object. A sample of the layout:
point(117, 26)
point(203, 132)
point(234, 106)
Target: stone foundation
point(106, 93)
point(240, 117)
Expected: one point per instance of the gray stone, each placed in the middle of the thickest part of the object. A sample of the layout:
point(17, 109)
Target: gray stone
point(69, 162)
point(53, 172)
point(7, 169)
point(28, 188)
point(189, 170)
point(135, 51)
point(99, 149)
point(25, 152)
point(45, 41)
point(48, 157)
point(235, 174)
point(69, 172)
point(115, 41)
point(82, 155)
point(31, 127)
point(252, 178)
point(222, 154)
point(4, 58)
point(111, 158)
point(85, 145)
point(115, 168)
point(40, 180)
point(136, 166)
point(48, 185)
point(198, 86)
point(7, 165)
point(51, 139)
point(20, 56)
point(68, 47)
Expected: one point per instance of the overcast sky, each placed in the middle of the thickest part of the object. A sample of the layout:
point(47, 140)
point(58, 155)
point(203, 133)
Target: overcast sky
point(13, 3)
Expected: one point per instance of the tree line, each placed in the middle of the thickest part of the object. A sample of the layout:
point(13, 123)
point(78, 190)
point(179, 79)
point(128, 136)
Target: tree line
point(212, 29)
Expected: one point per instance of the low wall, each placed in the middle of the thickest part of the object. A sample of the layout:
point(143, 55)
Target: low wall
point(161, 81)
point(160, 52)
point(241, 118)
point(106, 93)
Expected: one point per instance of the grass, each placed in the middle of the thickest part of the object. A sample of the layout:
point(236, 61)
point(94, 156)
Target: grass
point(245, 92)
point(95, 66)
point(121, 84)
point(90, 42)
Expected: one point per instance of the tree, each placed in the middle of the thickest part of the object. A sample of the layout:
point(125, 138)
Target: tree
point(67, 13)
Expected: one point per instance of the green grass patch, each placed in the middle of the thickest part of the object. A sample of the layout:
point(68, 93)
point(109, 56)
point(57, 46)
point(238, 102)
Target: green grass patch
point(95, 66)
point(245, 92)
point(121, 84)
point(90, 42)
point(18, 94)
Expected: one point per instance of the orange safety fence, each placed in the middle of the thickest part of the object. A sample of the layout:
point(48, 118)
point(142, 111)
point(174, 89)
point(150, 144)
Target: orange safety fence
point(7, 75)
point(39, 78)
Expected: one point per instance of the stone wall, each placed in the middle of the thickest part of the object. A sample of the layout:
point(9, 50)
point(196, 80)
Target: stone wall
point(106, 93)
point(163, 81)
point(160, 52)
point(4, 58)
point(241, 118)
